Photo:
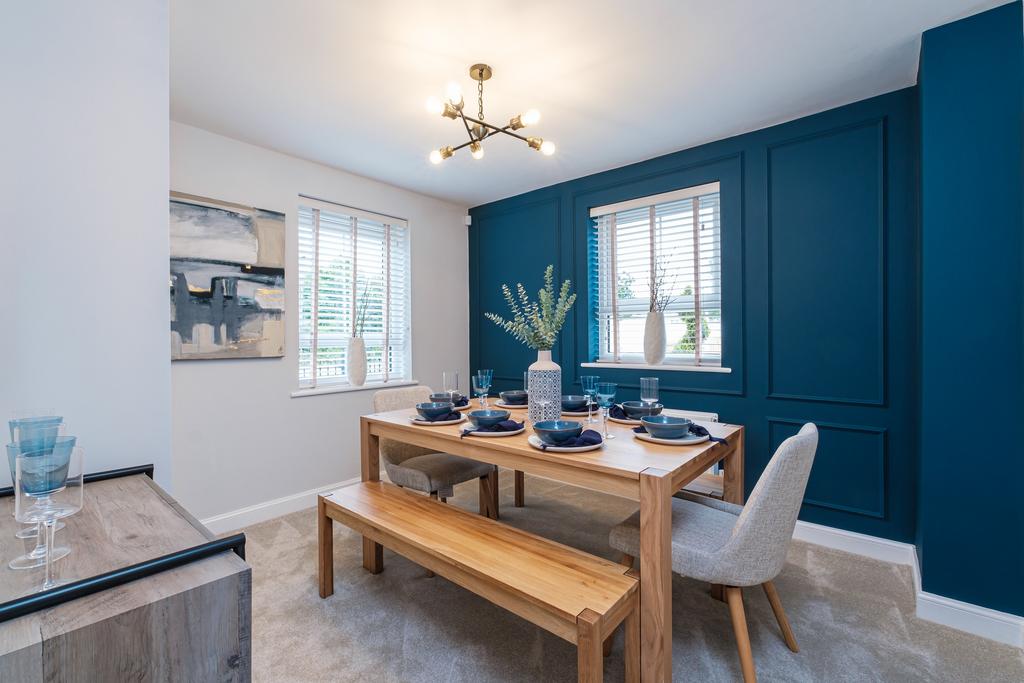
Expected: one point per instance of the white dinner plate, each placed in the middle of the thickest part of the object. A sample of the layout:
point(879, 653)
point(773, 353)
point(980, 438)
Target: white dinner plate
point(535, 441)
point(685, 441)
point(428, 423)
point(521, 406)
point(623, 422)
point(465, 407)
point(583, 414)
point(518, 431)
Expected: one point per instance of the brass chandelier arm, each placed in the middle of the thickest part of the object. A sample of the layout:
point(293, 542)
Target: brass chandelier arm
point(495, 129)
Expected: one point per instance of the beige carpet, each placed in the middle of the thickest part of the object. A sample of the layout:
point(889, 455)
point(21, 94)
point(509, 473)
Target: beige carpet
point(853, 617)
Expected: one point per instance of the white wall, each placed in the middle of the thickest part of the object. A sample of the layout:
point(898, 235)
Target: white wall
point(83, 224)
point(239, 439)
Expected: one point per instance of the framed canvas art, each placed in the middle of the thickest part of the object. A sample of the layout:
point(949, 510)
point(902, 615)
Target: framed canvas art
point(226, 280)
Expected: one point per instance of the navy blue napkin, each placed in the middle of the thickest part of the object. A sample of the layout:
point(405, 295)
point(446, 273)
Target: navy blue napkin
point(618, 413)
point(588, 438)
point(695, 429)
point(503, 426)
point(441, 418)
point(464, 401)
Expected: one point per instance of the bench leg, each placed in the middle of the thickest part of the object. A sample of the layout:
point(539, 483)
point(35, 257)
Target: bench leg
point(632, 654)
point(589, 659)
point(325, 549)
point(520, 489)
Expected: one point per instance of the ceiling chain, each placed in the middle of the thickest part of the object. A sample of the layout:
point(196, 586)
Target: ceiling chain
point(480, 98)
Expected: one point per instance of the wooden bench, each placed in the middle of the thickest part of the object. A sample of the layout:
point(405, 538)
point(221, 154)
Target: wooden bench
point(575, 595)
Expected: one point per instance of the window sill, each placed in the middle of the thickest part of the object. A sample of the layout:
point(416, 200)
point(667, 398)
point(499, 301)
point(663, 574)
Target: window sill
point(345, 388)
point(659, 368)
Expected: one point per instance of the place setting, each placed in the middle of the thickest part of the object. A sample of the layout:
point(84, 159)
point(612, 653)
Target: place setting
point(576, 406)
point(515, 399)
point(437, 414)
point(493, 423)
point(564, 436)
point(450, 382)
point(631, 412)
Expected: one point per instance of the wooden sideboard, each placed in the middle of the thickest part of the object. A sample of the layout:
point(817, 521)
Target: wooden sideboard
point(190, 623)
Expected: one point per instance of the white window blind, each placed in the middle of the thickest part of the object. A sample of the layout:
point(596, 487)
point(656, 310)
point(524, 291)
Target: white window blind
point(353, 266)
point(673, 243)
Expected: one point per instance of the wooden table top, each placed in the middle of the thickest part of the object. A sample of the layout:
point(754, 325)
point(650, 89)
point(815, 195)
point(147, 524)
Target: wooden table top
point(623, 456)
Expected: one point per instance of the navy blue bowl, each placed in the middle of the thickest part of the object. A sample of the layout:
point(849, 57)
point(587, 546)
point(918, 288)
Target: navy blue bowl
point(434, 409)
point(666, 426)
point(443, 397)
point(636, 409)
point(516, 397)
point(555, 432)
point(574, 404)
point(487, 418)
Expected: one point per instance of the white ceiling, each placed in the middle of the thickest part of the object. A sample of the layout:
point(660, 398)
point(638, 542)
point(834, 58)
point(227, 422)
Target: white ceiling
point(344, 83)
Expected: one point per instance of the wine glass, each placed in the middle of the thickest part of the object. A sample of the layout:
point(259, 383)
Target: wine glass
point(450, 382)
point(482, 385)
point(649, 390)
point(36, 433)
point(47, 487)
point(606, 399)
point(589, 384)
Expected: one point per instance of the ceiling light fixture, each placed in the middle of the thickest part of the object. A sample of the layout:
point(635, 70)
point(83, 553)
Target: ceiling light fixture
point(477, 129)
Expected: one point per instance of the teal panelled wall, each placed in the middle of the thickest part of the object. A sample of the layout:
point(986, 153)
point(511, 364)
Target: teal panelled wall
point(820, 295)
point(971, 519)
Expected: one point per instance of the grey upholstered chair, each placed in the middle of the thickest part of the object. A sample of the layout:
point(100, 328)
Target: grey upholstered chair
point(734, 546)
point(424, 470)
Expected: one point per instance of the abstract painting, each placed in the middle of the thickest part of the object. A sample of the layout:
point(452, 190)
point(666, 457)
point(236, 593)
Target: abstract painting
point(227, 280)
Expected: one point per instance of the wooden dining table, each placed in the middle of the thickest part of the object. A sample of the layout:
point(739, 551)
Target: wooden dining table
point(625, 466)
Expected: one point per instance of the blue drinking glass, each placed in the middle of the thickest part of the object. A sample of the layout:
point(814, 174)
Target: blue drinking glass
point(482, 385)
point(26, 428)
point(606, 399)
point(589, 384)
point(44, 469)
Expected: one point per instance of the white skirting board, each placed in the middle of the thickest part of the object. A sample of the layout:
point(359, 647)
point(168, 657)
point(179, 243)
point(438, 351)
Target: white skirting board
point(974, 619)
point(261, 512)
point(981, 621)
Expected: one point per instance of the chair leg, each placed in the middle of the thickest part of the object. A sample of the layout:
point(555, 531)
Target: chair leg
point(626, 560)
point(780, 615)
point(734, 596)
point(520, 487)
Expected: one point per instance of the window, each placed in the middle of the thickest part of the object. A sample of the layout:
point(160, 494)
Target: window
point(670, 243)
point(353, 269)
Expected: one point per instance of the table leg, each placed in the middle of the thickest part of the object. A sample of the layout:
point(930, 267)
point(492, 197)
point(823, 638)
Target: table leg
point(655, 576)
point(325, 549)
point(373, 553)
point(732, 483)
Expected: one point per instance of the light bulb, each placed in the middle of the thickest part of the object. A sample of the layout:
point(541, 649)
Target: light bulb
point(434, 105)
point(454, 92)
point(547, 148)
point(530, 118)
point(435, 156)
point(476, 150)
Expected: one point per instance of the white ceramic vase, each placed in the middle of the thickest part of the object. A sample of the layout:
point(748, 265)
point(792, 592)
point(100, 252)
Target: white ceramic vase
point(654, 338)
point(545, 377)
point(355, 366)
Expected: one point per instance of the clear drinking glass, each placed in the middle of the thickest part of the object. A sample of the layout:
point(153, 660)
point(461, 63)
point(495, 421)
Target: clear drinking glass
point(450, 383)
point(589, 384)
point(606, 399)
point(648, 390)
point(526, 381)
point(47, 487)
point(37, 431)
point(482, 385)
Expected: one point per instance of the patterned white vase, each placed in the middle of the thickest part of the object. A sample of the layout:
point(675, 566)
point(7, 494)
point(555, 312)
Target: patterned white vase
point(545, 388)
point(654, 338)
